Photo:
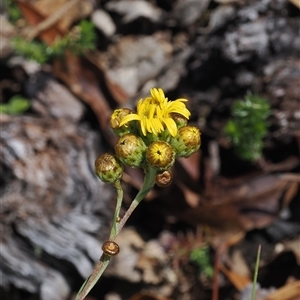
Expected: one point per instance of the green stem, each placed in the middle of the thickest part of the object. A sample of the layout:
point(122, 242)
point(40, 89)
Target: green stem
point(147, 186)
point(94, 277)
point(115, 230)
point(255, 273)
point(104, 259)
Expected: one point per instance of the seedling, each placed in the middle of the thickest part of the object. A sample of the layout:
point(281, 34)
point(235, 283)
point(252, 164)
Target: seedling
point(80, 39)
point(200, 256)
point(248, 126)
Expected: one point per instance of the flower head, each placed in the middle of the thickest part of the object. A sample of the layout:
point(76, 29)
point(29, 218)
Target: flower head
point(160, 155)
point(130, 150)
point(187, 141)
point(155, 113)
point(116, 118)
point(108, 169)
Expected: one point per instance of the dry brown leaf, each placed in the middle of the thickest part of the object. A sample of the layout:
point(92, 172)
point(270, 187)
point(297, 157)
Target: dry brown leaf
point(116, 91)
point(237, 280)
point(79, 76)
point(77, 11)
point(191, 198)
point(252, 204)
point(191, 165)
point(146, 296)
point(293, 245)
point(34, 17)
point(296, 3)
point(290, 291)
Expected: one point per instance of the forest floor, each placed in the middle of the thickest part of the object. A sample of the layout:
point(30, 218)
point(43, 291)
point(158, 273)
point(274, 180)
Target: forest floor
point(65, 67)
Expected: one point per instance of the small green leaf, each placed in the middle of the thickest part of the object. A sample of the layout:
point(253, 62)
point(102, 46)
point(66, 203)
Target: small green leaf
point(16, 105)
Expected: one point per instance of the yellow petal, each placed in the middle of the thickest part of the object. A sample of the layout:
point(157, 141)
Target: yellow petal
point(171, 126)
point(129, 118)
point(143, 126)
point(157, 125)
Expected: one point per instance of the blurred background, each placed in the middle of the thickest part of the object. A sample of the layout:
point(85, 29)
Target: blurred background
point(67, 64)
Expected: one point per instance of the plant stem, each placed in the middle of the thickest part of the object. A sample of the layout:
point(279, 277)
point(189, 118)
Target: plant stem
point(115, 230)
point(94, 277)
point(255, 273)
point(147, 186)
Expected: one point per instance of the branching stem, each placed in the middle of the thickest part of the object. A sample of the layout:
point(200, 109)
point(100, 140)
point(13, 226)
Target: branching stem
point(116, 228)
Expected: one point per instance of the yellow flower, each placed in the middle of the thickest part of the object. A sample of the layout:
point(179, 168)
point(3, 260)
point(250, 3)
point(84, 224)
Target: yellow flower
point(155, 113)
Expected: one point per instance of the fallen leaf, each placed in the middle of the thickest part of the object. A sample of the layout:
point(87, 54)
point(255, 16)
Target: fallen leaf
point(290, 291)
point(78, 74)
point(35, 17)
point(146, 296)
point(76, 10)
point(254, 203)
point(296, 3)
point(238, 281)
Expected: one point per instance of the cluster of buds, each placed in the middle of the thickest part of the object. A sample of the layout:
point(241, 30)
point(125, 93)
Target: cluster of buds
point(152, 137)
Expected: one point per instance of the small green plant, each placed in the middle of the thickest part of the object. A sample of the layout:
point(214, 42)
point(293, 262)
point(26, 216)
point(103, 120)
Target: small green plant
point(13, 12)
point(248, 126)
point(201, 257)
point(15, 106)
point(81, 38)
point(151, 138)
point(33, 50)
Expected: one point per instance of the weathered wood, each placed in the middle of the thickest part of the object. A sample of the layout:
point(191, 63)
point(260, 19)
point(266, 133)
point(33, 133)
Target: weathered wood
point(54, 211)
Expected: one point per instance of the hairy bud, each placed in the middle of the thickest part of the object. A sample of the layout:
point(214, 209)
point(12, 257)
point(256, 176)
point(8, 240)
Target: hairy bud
point(108, 169)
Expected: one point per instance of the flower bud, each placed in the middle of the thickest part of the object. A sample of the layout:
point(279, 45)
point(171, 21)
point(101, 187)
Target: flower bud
point(187, 141)
point(160, 155)
point(130, 149)
point(108, 169)
point(179, 119)
point(110, 248)
point(116, 118)
point(164, 179)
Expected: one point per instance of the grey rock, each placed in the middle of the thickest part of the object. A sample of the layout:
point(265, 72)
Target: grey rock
point(134, 9)
point(250, 39)
point(103, 21)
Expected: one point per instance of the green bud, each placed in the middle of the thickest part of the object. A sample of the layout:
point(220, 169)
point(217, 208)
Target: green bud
point(108, 169)
point(115, 120)
point(179, 119)
point(187, 141)
point(130, 149)
point(160, 155)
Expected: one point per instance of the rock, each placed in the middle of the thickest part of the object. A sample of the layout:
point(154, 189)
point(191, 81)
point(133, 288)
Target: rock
point(187, 12)
point(249, 40)
point(137, 60)
point(134, 9)
point(103, 22)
